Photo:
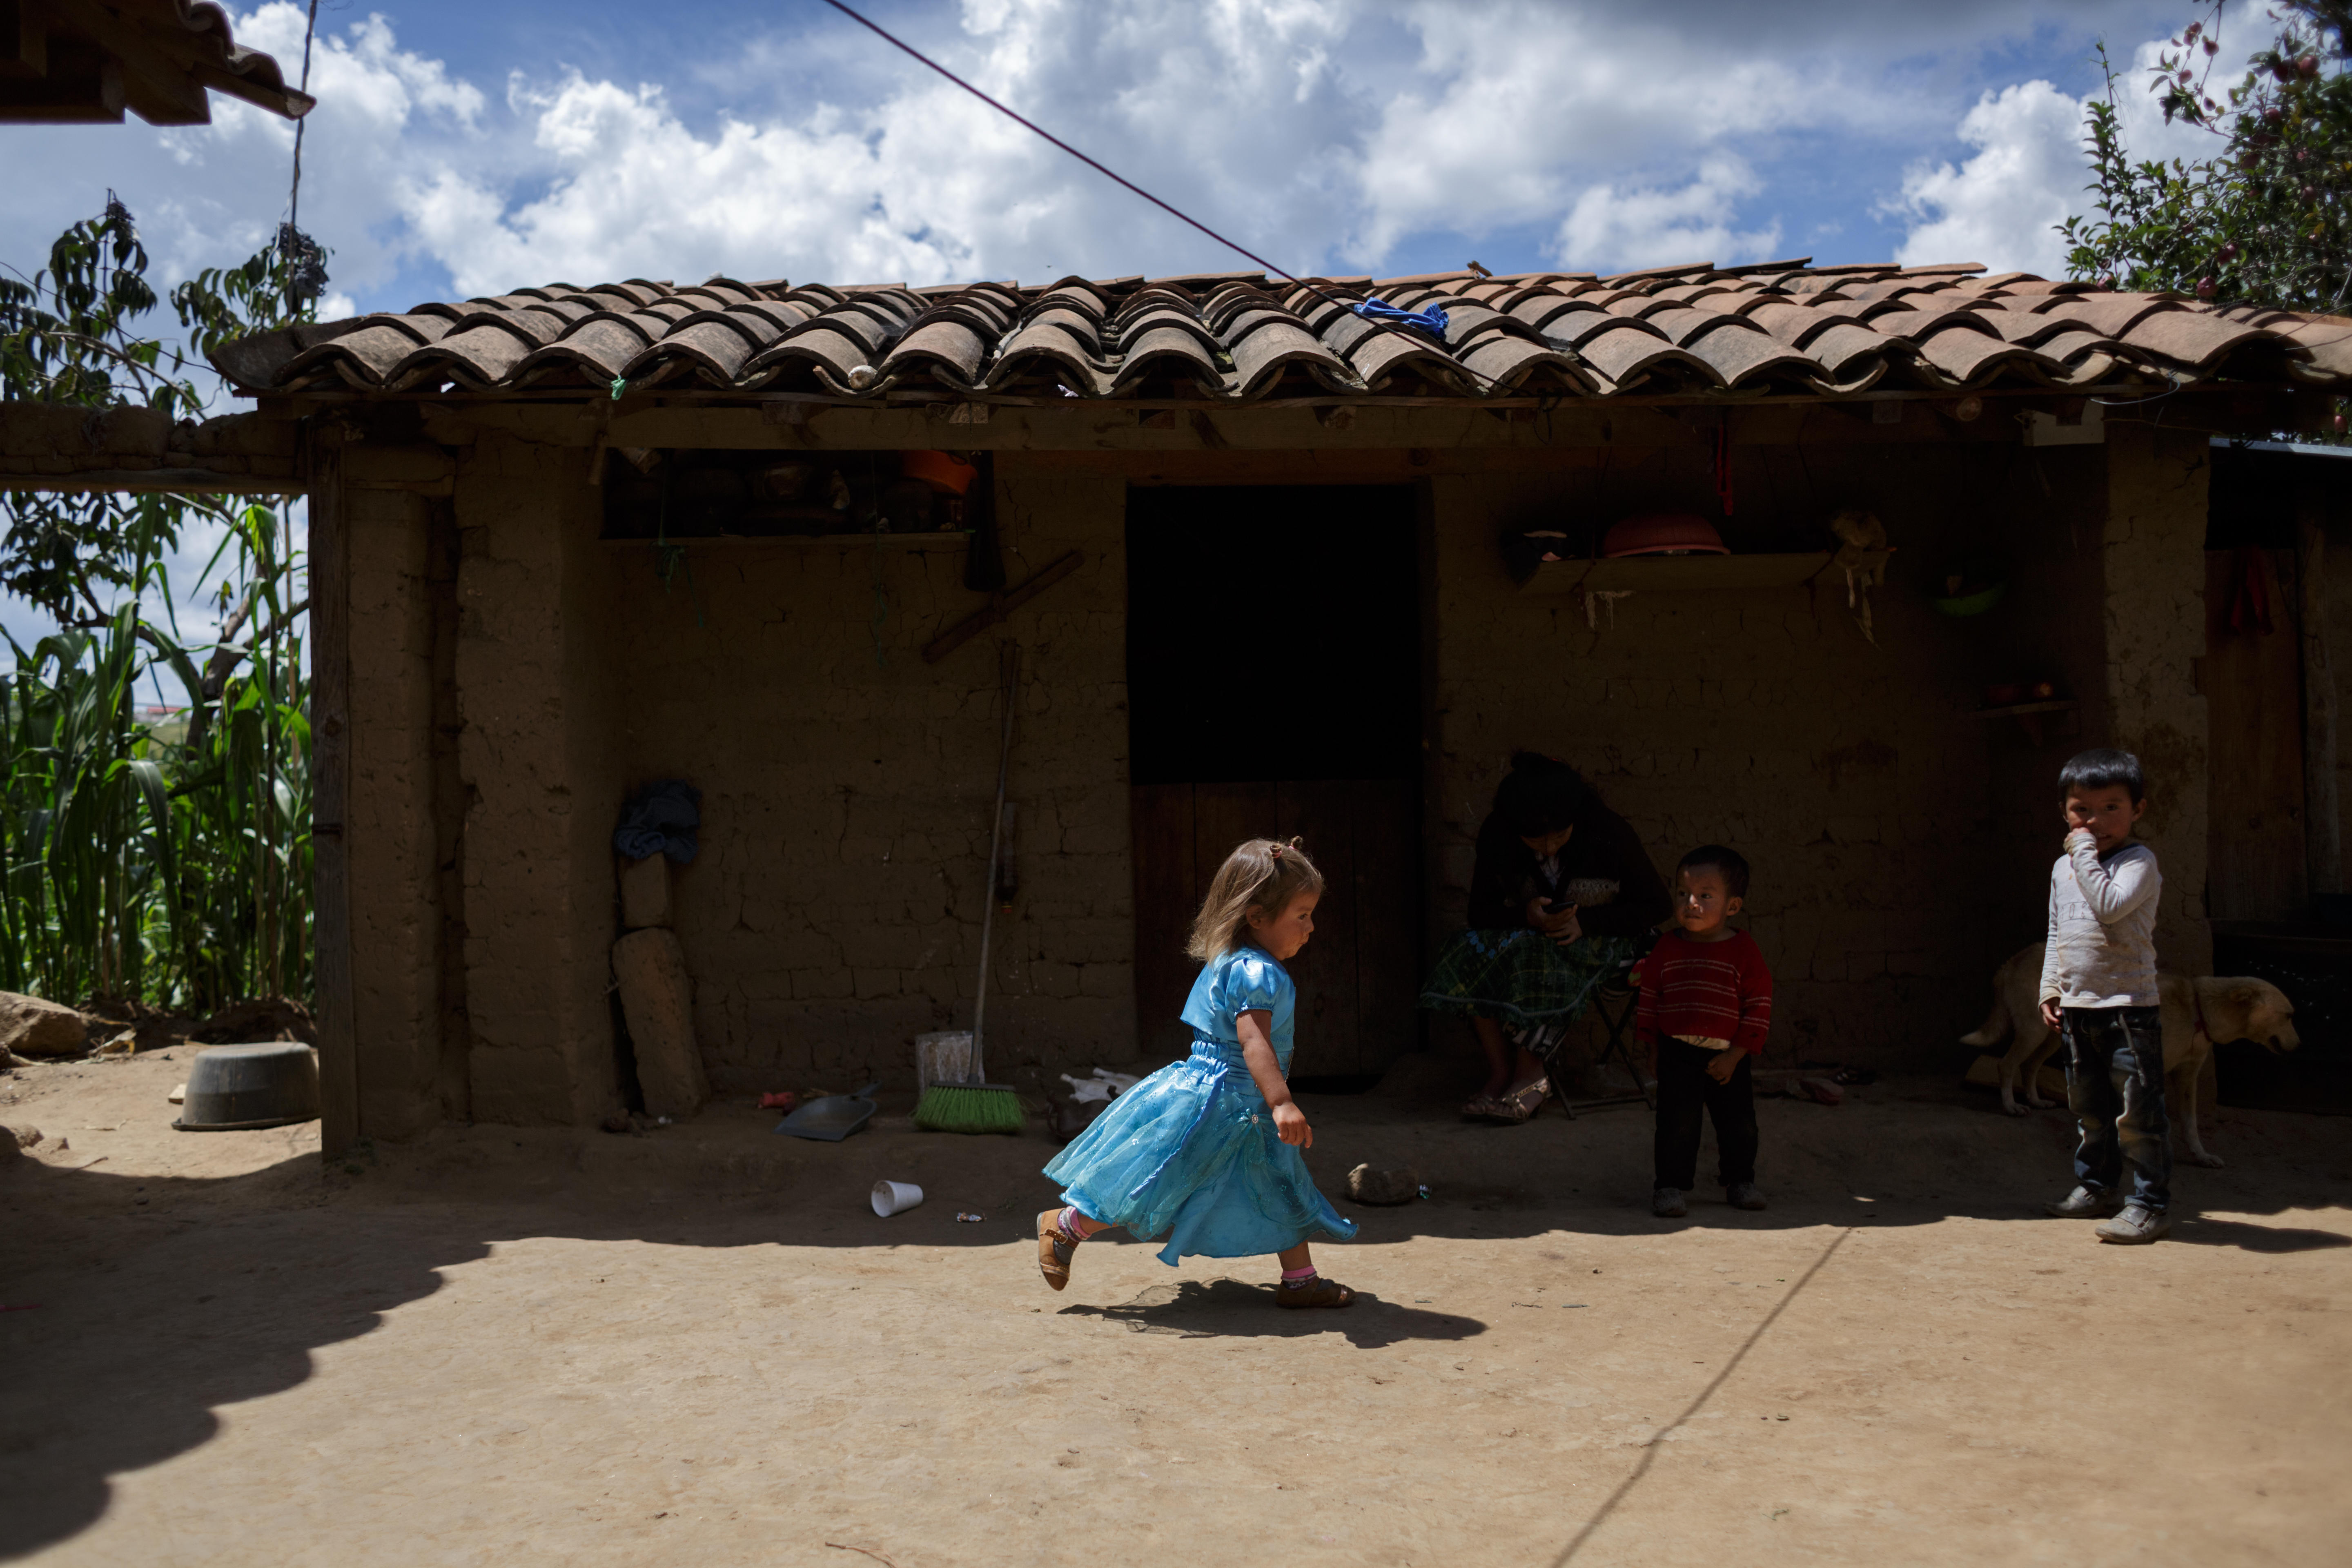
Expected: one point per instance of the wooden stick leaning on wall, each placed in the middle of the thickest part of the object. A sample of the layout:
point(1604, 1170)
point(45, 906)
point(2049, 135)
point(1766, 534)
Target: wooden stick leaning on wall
point(338, 1086)
point(999, 605)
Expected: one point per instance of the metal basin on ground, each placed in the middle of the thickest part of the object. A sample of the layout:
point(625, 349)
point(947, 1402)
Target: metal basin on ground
point(234, 1087)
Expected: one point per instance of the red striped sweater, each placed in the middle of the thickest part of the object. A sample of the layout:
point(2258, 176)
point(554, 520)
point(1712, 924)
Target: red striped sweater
point(1717, 990)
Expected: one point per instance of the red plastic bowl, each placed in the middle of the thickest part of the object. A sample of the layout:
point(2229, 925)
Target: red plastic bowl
point(948, 476)
point(1663, 533)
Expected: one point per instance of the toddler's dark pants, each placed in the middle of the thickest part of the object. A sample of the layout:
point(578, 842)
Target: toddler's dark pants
point(1685, 1091)
point(2115, 1086)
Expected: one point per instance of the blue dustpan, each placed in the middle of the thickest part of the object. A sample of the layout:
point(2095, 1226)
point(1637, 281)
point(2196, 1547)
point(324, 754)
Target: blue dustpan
point(831, 1119)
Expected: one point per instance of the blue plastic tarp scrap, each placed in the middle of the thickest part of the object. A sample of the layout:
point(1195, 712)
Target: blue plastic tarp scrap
point(660, 819)
point(1432, 321)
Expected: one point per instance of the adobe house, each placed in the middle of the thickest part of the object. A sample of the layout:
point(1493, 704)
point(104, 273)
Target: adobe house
point(1269, 568)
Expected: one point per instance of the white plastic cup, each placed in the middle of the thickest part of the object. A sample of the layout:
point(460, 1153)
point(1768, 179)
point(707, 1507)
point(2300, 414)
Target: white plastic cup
point(896, 1197)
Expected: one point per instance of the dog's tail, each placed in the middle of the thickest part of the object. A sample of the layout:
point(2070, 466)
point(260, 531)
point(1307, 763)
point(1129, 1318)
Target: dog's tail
point(1995, 1027)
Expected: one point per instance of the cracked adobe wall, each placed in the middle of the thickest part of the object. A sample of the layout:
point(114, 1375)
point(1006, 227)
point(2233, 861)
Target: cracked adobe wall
point(543, 781)
point(834, 911)
point(2153, 549)
point(1901, 845)
point(388, 819)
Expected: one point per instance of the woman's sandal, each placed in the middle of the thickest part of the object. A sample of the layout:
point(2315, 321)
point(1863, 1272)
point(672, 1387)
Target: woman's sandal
point(1523, 1102)
point(1317, 1293)
point(1510, 1108)
point(1053, 1249)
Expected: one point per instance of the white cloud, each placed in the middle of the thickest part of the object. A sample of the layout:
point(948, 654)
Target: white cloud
point(2002, 207)
point(1609, 228)
point(1324, 134)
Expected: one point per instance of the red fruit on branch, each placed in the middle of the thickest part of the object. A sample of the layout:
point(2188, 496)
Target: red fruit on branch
point(2204, 288)
point(2227, 254)
point(2308, 66)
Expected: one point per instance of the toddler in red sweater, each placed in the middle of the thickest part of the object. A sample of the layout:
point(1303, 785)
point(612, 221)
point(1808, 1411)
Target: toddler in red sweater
point(1707, 1004)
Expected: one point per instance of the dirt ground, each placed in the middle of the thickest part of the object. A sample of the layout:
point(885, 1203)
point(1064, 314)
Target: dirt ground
point(700, 1346)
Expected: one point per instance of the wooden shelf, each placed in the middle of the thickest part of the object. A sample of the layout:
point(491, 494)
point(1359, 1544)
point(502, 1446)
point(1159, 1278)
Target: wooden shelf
point(1678, 573)
point(945, 539)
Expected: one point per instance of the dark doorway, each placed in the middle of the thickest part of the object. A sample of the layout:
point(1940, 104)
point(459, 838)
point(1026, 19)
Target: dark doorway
point(1273, 688)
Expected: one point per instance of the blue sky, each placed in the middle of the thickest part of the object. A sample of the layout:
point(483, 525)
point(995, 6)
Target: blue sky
point(463, 149)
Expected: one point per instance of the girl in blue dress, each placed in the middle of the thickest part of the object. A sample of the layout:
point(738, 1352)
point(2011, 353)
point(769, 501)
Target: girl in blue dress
point(1206, 1149)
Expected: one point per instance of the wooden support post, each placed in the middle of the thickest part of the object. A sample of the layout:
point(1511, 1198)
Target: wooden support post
point(2322, 814)
point(330, 684)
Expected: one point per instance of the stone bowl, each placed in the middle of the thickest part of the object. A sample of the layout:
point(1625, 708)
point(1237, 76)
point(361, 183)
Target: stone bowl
point(231, 1087)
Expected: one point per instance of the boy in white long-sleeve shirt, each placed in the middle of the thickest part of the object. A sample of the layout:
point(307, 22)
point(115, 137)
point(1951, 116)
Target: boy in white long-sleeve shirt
point(2098, 988)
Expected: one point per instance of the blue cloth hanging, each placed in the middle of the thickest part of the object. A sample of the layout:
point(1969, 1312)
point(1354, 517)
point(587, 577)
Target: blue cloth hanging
point(1432, 321)
point(660, 819)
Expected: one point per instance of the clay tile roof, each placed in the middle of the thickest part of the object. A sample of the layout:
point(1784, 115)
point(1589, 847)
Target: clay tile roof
point(1780, 326)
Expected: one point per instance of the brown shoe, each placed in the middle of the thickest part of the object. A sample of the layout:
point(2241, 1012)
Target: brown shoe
point(1053, 1249)
point(1317, 1293)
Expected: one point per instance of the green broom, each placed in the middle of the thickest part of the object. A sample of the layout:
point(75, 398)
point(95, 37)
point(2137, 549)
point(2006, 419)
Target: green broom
point(973, 1106)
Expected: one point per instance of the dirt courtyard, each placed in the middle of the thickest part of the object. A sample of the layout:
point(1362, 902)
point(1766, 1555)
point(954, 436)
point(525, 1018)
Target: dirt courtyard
point(699, 1346)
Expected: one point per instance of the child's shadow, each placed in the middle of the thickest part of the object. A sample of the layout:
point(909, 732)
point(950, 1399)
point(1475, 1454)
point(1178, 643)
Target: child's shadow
point(1206, 1309)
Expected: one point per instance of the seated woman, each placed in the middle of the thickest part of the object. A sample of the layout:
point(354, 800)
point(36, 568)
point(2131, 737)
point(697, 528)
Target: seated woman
point(1562, 895)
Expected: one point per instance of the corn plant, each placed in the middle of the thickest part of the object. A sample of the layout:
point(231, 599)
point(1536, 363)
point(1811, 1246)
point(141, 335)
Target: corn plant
point(172, 870)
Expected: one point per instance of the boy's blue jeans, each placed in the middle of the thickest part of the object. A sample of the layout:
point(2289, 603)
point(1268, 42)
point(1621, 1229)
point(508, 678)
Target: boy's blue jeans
point(2114, 1087)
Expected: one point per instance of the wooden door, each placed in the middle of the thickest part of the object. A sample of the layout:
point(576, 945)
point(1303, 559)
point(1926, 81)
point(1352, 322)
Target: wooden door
point(1274, 690)
point(1359, 978)
point(2254, 700)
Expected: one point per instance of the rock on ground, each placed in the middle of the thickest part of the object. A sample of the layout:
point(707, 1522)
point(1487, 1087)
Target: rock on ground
point(30, 1026)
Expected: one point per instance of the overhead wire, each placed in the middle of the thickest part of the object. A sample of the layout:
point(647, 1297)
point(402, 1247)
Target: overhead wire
point(1114, 176)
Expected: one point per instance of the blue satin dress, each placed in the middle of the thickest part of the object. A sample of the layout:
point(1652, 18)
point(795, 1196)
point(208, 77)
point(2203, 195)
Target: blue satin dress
point(1191, 1152)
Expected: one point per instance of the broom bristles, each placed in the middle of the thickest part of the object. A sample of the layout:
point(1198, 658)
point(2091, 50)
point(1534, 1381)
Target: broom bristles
point(970, 1108)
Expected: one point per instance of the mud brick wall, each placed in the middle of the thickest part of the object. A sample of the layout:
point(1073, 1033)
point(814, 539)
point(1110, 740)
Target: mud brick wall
point(834, 911)
point(396, 911)
point(542, 772)
point(2153, 566)
point(1900, 843)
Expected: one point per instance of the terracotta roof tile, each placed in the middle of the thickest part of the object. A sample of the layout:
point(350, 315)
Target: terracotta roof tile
point(1780, 326)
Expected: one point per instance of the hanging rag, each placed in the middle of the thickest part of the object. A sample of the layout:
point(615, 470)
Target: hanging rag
point(2250, 606)
point(1432, 321)
point(660, 819)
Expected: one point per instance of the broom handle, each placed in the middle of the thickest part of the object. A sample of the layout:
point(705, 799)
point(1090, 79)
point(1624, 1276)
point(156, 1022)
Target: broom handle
point(1012, 669)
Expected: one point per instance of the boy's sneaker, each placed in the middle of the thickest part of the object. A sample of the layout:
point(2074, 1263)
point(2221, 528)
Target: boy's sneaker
point(1744, 1196)
point(1667, 1202)
point(2137, 1225)
point(2083, 1204)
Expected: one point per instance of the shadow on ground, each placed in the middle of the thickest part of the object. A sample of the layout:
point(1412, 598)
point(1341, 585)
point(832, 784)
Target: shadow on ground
point(1223, 1308)
point(154, 1303)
